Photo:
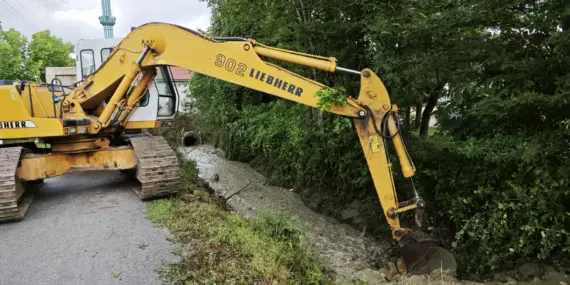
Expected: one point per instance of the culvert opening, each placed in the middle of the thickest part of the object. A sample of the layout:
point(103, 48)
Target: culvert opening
point(190, 140)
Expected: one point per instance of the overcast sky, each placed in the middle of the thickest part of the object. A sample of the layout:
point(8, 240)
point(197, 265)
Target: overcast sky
point(72, 20)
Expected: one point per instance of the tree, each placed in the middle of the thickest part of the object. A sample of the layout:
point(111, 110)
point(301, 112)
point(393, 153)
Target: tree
point(14, 64)
point(21, 59)
point(424, 50)
point(47, 50)
point(502, 166)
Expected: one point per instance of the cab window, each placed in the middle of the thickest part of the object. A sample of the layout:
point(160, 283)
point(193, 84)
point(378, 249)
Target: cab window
point(166, 93)
point(87, 62)
point(105, 52)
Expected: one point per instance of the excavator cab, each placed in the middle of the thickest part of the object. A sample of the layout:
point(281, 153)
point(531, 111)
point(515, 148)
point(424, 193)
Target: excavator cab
point(162, 99)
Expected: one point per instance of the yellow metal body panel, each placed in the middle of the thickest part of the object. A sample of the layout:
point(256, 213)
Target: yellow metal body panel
point(142, 125)
point(42, 101)
point(41, 166)
point(16, 121)
point(326, 65)
point(374, 95)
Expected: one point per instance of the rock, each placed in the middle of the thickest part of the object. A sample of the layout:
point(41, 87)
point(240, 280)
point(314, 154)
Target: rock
point(220, 153)
point(349, 214)
point(415, 280)
point(529, 270)
point(553, 275)
point(370, 276)
point(388, 274)
point(511, 281)
point(352, 211)
point(500, 277)
point(563, 283)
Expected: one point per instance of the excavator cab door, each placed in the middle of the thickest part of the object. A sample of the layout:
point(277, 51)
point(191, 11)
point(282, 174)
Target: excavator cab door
point(166, 91)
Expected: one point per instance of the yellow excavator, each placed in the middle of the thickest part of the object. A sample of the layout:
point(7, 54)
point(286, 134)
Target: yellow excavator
point(88, 126)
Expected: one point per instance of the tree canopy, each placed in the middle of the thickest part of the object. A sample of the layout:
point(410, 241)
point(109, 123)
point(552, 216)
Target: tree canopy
point(24, 59)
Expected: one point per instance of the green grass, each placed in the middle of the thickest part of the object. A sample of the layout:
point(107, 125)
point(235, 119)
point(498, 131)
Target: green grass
point(269, 250)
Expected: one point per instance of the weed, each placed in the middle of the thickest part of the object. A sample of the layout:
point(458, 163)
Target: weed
point(188, 172)
point(329, 97)
point(270, 250)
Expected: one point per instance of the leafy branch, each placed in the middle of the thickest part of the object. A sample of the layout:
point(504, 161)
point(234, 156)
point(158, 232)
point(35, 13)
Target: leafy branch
point(331, 96)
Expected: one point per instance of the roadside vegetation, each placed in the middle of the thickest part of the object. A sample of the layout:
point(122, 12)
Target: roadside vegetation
point(219, 247)
point(495, 173)
point(223, 248)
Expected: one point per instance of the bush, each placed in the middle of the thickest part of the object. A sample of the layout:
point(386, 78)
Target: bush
point(505, 198)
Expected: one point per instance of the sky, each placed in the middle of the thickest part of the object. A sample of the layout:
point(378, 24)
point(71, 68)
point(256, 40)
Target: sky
point(72, 20)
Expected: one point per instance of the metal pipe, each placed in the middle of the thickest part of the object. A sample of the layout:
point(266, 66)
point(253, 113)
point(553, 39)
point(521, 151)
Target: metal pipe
point(338, 68)
point(31, 101)
point(104, 118)
point(142, 55)
point(137, 94)
point(326, 65)
point(230, 39)
point(408, 170)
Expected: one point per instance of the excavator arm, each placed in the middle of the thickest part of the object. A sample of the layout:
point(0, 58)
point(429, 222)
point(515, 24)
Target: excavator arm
point(239, 61)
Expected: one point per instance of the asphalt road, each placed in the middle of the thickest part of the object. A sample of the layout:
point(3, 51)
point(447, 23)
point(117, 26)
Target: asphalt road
point(83, 228)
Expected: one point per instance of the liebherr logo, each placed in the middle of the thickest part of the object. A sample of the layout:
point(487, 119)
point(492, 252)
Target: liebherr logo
point(17, 125)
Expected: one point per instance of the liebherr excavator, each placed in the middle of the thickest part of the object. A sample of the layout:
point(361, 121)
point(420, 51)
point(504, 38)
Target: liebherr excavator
point(88, 126)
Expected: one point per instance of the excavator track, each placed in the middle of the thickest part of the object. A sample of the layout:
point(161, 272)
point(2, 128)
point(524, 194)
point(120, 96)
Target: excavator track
point(157, 167)
point(13, 203)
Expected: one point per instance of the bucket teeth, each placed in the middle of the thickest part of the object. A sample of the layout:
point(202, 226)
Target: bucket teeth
point(13, 203)
point(157, 167)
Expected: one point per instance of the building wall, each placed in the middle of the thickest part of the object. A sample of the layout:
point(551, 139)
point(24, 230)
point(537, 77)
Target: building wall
point(65, 74)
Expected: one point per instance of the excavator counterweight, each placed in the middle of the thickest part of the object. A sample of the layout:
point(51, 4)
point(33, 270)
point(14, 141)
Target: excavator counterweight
point(96, 124)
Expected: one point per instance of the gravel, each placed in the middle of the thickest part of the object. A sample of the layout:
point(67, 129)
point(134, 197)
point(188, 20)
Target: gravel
point(84, 228)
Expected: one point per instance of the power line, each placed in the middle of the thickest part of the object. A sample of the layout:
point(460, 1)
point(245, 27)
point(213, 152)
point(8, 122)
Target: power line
point(20, 15)
point(31, 11)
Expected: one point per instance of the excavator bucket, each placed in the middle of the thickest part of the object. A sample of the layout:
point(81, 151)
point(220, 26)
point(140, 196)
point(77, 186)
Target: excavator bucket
point(423, 257)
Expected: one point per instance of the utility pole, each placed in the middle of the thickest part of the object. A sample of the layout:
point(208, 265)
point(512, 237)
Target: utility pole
point(107, 20)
